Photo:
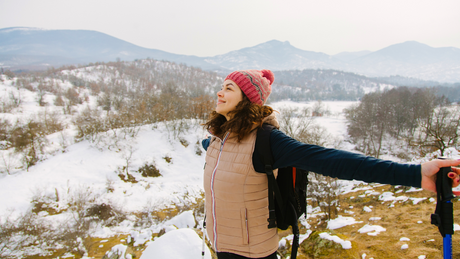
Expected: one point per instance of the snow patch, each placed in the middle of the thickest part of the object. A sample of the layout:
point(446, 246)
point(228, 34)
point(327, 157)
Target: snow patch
point(341, 221)
point(371, 230)
point(345, 244)
point(180, 244)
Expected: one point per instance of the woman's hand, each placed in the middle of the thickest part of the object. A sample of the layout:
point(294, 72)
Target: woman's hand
point(430, 168)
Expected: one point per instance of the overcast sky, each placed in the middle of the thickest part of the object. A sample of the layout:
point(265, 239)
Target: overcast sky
point(212, 27)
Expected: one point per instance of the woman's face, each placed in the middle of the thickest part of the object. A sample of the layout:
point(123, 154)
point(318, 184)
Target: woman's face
point(228, 98)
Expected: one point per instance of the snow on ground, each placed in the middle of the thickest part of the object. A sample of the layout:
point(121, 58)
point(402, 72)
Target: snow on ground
point(180, 243)
point(371, 230)
point(345, 244)
point(340, 222)
point(92, 167)
point(83, 165)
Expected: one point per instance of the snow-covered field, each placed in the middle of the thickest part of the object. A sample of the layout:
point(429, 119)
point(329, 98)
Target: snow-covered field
point(93, 168)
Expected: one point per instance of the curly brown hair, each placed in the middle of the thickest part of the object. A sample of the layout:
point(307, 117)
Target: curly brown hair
point(244, 117)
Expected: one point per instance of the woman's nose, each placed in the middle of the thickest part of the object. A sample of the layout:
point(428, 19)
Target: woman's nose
point(219, 94)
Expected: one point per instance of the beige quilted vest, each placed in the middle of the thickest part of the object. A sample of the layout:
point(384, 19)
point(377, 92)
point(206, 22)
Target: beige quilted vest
point(237, 199)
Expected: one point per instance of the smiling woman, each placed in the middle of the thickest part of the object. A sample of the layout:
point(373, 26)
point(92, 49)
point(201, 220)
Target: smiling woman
point(236, 194)
point(228, 98)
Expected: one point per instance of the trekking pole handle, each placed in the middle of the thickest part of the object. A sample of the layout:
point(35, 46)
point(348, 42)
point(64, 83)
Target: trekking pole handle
point(445, 183)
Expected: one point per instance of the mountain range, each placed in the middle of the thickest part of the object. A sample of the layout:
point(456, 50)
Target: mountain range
point(23, 48)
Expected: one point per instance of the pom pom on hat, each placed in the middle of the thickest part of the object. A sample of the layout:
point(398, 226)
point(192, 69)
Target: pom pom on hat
point(268, 74)
point(256, 84)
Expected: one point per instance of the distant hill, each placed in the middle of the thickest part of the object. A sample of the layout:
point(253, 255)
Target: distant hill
point(31, 48)
point(349, 56)
point(411, 59)
point(275, 55)
point(321, 84)
point(23, 48)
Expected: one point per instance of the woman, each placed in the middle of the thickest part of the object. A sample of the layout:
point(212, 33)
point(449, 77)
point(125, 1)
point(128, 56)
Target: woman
point(236, 194)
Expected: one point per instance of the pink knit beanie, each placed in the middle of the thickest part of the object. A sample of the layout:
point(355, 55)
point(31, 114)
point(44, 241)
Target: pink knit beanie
point(256, 84)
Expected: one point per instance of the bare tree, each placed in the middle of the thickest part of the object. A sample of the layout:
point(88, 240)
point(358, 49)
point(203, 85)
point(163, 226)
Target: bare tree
point(395, 113)
point(29, 140)
point(300, 125)
point(441, 128)
point(89, 124)
point(296, 123)
point(324, 192)
point(367, 123)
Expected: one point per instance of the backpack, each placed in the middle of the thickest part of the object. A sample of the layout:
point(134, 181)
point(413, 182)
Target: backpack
point(287, 194)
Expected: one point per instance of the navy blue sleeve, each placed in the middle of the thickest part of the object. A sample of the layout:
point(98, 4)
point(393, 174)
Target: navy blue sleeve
point(205, 143)
point(338, 163)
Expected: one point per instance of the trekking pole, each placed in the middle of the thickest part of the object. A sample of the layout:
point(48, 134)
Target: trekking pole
point(443, 216)
point(204, 234)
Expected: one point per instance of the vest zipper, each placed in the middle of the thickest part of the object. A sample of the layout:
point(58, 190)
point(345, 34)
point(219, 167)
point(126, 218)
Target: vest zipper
point(214, 227)
point(244, 215)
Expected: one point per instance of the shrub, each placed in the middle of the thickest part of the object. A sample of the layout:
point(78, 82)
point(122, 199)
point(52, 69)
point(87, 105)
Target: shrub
point(42, 201)
point(109, 185)
point(101, 211)
point(149, 170)
point(168, 159)
point(324, 192)
point(73, 96)
point(198, 148)
point(29, 140)
point(107, 213)
point(23, 234)
point(50, 121)
point(183, 141)
point(125, 176)
point(9, 74)
point(89, 124)
point(59, 101)
point(78, 228)
point(8, 104)
point(5, 134)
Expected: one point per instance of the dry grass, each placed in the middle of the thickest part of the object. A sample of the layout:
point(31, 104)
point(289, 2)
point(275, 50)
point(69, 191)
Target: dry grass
point(98, 247)
point(400, 220)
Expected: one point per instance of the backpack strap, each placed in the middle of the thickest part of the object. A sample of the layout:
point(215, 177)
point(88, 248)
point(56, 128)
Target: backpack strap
point(296, 233)
point(263, 148)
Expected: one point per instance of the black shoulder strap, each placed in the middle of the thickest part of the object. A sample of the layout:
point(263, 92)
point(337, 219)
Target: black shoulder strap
point(263, 149)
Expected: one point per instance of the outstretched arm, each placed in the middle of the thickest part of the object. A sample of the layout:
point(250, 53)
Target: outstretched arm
point(430, 168)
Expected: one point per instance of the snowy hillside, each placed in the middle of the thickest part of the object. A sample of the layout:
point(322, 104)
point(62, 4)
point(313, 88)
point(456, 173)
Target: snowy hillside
point(137, 190)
